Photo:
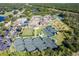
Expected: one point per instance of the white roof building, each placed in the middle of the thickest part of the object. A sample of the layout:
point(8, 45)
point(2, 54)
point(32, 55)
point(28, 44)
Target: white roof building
point(35, 21)
point(46, 19)
point(21, 21)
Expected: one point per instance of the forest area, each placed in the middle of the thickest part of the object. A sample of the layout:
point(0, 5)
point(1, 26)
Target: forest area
point(73, 7)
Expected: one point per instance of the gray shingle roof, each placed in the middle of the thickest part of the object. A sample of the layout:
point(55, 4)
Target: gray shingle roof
point(50, 31)
point(49, 42)
point(39, 44)
point(19, 45)
point(29, 45)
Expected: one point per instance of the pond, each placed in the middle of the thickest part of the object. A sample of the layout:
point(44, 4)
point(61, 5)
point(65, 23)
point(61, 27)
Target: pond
point(2, 18)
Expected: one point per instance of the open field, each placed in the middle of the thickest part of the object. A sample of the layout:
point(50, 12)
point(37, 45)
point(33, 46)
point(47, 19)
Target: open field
point(59, 37)
point(27, 32)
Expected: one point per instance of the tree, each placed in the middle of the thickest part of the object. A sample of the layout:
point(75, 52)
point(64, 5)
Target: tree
point(1, 24)
point(10, 16)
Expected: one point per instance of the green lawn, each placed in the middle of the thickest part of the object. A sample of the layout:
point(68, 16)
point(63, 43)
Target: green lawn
point(59, 37)
point(27, 32)
point(38, 31)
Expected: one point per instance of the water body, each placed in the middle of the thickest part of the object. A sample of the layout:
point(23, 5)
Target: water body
point(2, 18)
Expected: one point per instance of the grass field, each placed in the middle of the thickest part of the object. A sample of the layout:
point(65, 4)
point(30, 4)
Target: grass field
point(27, 32)
point(59, 37)
point(38, 31)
